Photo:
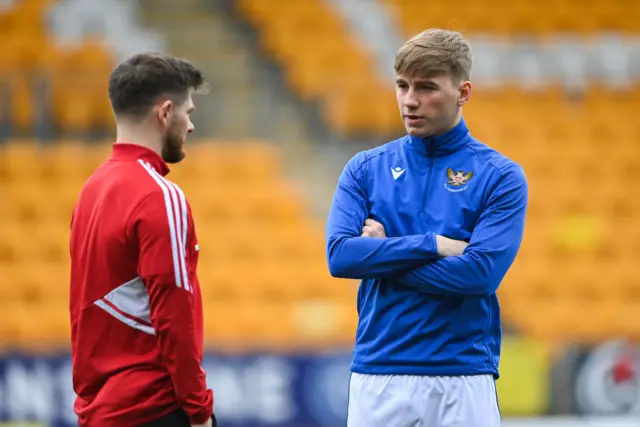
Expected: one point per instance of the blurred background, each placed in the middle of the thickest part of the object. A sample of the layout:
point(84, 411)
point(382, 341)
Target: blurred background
point(298, 87)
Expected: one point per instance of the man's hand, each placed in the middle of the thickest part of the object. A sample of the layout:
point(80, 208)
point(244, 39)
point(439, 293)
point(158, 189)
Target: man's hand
point(373, 228)
point(207, 424)
point(449, 247)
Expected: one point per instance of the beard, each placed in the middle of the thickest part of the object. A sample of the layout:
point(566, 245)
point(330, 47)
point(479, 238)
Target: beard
point(172, 144)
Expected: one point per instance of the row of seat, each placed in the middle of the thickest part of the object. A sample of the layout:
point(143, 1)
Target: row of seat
point(278, 277)
point(42, 98)
point(574, 319)
point(550, 213)
point(48, 239)
point(36, 78)
point(544, 18)
point(24, 16)
point(71, 161)
point(339, 72)
point(272, 323)
point(233, 279)
point(276, 324)
point(264, 276)
point(35, 74)
point(549, 208)
point(45, 82)
point(320, 57)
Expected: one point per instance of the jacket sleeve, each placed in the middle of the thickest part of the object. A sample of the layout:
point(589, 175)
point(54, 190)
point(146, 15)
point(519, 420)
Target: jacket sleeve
point(353, 257)
point(159, 229)
point(493, 246)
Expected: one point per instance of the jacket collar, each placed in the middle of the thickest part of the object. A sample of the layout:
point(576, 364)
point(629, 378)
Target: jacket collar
point(443, 144)
point(133, 152)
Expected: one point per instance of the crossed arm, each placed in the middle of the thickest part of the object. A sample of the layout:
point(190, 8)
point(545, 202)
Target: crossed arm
point(428, 263)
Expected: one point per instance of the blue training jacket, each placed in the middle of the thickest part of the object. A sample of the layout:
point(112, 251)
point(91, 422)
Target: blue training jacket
point(420, 314)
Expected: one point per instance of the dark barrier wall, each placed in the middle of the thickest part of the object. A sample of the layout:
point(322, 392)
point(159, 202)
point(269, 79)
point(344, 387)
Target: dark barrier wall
point(311, 390)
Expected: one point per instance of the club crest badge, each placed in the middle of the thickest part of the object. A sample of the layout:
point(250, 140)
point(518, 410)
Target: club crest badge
point(457, 180)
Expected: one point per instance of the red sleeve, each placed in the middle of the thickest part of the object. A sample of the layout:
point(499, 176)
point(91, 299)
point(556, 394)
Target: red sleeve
point(160, 229)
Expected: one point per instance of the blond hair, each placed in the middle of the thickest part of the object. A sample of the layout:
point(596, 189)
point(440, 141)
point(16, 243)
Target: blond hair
point(435, 52)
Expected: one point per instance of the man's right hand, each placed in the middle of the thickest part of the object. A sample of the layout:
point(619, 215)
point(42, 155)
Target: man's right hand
point(449, 247)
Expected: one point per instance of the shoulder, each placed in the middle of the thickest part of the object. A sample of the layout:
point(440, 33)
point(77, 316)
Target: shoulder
point(158, 193)
point(153, 184)
point(502, 166)
point(361, 159)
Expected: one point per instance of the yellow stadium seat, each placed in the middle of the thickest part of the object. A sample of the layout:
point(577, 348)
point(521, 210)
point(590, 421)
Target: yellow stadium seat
point(581, 171)
point(24, 288)
point(268, 322)
point(624, 320)
point(335, 62)
point(224, 324)
point(11, 242)
point(262, 266)
point(539, 18)
point(15, 317)
point(18, 161)
point(51, 332)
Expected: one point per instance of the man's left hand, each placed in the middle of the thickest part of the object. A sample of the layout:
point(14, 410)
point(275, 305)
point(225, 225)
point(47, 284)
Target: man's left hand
point(373, 228)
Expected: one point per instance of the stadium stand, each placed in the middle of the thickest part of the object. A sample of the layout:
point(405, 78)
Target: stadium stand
point(262, 262)
point(538, 18)
point(51, 66)
point(281, 283)
point(579, 162)
point(324, 63)
point(578, 157)
point(555, 88)
point(581, 156)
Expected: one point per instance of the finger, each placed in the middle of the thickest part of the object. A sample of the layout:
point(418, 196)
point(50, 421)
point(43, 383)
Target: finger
point(371, 222)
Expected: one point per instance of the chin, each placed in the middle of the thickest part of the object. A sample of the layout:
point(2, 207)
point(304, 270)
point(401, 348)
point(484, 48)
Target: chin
point(177, 159)
point(418, 132)
point(174, 158)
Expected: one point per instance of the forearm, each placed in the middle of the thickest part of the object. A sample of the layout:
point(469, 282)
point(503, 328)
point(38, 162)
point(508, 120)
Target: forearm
point(493, 246)
point(469, 275)
point(179, 350)
point(366, 257)
point(178, 354)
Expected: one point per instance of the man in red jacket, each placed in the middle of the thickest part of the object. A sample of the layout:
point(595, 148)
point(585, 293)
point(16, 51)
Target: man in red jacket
point(136, 305)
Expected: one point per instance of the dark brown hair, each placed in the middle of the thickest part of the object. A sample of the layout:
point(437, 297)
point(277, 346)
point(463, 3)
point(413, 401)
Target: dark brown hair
point(433, 52)
point(138, 82)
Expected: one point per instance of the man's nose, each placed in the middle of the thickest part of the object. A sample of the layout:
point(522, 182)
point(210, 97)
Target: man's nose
point(411, 100)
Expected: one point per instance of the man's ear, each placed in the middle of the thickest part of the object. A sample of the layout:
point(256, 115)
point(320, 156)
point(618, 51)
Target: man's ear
point(465, 93)
point(164, 110)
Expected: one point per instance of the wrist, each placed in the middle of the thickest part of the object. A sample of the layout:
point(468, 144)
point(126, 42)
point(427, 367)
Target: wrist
point(432, 243)
point(449, 247)
point(441, 244)
point(445, 246)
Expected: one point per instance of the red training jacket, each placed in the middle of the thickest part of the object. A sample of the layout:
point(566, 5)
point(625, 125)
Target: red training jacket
point(136, 306)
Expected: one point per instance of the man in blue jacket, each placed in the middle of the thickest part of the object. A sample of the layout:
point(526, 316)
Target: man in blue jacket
point(430, 223)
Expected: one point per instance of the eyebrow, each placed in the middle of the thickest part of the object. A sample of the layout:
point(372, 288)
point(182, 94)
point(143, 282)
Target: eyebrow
point(424, 82)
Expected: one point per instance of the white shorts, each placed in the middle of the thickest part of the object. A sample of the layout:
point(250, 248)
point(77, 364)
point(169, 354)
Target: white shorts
point(422, 401)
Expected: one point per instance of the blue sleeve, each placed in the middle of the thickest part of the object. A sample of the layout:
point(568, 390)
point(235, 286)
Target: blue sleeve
point(353, 257)
point(493, 246)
